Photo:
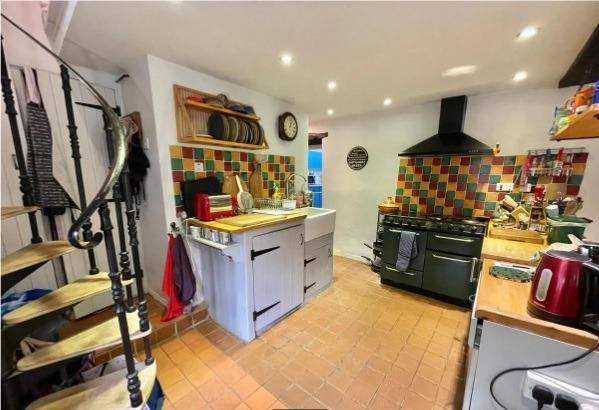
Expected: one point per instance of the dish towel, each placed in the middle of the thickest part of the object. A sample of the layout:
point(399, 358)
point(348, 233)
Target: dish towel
point(185, 281)
point(174, 307)
point(408, 250)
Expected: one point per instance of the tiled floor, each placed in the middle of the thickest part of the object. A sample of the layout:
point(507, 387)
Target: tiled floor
point(358, 345)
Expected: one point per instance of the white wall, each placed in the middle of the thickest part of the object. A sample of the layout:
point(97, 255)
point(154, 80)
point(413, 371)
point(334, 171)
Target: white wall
point(518, 120)
point(150, 90)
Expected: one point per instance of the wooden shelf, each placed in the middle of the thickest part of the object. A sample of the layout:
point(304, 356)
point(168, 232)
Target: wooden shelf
point(68, 295)
point(192, 120)
point(106, 392)
point(12, 211)
point(586, 125)
point(106, 334)
point(209, 140)
point(34, 254)
point(212, 108)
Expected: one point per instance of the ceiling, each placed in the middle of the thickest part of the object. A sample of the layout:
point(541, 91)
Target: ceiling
point(373, 50)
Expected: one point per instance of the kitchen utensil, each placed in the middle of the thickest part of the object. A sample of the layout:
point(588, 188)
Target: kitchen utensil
point(256, 183)
point(244, 199)
point(552, 211)
point(250, 219)
point(557, 286)
point(233, 129)
point(230, 186)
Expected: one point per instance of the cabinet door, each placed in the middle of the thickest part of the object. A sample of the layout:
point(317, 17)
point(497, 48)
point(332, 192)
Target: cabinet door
point(318, 272)
point(278, 274)
point(450, 275)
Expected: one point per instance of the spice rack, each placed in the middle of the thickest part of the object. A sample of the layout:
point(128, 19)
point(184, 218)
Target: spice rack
point(545, 162)
point(192, 120)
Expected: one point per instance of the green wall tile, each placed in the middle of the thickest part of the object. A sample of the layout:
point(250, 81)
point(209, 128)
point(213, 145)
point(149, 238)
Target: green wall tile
point(176, 164)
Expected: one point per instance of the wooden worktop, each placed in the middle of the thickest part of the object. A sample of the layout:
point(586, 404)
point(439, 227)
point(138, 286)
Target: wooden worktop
point(219, 226)
point(510, 251)
point(503, 301)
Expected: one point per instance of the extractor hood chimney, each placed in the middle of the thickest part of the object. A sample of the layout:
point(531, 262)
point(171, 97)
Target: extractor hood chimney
point(451, 139)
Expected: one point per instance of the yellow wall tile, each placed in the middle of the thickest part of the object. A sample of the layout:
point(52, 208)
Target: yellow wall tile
point(175, 151)
point(472, 177)
point(177, 188)
point(455, 160)
point(486, 160)
point(188, 164)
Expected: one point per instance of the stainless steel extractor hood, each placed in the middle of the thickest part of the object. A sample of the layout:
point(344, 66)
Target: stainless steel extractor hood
point(451, 139)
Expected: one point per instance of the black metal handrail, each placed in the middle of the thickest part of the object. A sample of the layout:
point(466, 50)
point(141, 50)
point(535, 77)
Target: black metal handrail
point(122, 130)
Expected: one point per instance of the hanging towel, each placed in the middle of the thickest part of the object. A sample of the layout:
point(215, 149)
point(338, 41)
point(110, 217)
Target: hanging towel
point(408, 249)
point(174, 307)
point(185, 281)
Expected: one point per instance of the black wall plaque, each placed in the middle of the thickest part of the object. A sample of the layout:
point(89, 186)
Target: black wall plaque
point(357, 158)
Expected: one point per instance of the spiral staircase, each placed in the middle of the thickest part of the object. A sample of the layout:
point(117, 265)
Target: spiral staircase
point(131, 387)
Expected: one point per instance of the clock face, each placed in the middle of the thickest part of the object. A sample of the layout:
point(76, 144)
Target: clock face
point(287, 126)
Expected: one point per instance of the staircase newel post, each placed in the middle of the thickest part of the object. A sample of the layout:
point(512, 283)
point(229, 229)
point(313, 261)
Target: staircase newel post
point(76, 155)
point(25, 182)
point(133, 383)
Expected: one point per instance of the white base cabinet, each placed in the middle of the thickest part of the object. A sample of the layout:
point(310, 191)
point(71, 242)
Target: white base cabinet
point(318, 265)
point(256, 281)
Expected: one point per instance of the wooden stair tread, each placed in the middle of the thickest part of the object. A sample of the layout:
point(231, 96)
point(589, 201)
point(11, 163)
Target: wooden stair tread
point(106, 392)
point(101, 336)
point(34, 254)
point(12, 211)
point(68, 295)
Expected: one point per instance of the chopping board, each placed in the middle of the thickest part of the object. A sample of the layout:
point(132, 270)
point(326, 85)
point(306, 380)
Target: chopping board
point(256, 183)
point(516, 235)
point(249, 219)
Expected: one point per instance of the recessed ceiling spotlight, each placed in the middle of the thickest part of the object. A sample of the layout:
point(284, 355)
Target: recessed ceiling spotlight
point(387, 101)
point(459, 70)
point(332, 85)
point(528, 32)
point(330, 111)
point(520, 76)
point(286, 59)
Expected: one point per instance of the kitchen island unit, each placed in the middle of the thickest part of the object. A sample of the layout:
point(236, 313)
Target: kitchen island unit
point(267, 270)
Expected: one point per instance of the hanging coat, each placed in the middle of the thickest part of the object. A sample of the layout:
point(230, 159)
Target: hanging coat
point(185, 281)
point(174, 307)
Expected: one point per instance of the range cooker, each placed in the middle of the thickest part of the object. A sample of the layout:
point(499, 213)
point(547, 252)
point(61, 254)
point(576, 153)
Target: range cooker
point(448, 260)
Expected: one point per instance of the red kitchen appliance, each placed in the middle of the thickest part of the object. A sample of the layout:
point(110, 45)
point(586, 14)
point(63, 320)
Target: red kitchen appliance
point(209, 207)
point(558, 288)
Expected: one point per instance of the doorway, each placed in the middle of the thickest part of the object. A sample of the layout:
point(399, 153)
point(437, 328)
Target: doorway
point(315, 174)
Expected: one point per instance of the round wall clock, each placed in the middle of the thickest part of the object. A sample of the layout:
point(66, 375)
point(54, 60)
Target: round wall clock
point(287, 126)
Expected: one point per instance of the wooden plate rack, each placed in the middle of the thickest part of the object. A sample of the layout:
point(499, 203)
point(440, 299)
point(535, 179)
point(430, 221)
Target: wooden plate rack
point(192, 120)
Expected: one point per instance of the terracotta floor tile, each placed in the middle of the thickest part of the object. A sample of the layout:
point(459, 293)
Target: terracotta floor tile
point(309, 381)
point(199, 345)
point(277, 405)
point(340, 379)
point(190, 337)
point(169, 377)
point(178, 390)
point(349, 404)
point(361, 392)
point(379, 364)
point(190, 365)
point(294, 396)
point(380, 402)
point(424, 387)
point(278, 384)
point(313, 404)
point(226, 401)
point(400, 376)
point(200, 376)
point(293, 370)
point(329, 395)
point(369, 376)
point(261, 399)
point(242, 406)
point(430, 373)
point(192, 400)
point(414, 401)
point(212, 389)
point(181, 355)
point(173, 345)
point(245, 387)
point(434, 360)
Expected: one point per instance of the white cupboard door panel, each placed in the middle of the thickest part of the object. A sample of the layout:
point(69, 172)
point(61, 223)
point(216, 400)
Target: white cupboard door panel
point(278, 274)
point(317, 267)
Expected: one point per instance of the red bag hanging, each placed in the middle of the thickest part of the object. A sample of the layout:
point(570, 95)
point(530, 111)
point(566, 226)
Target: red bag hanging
point(174, 307)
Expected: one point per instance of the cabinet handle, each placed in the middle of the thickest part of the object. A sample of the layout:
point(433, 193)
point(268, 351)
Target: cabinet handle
point(399, 231)
point(473, 269)
point(405, 273)
point(447, 258)
point(301, 238)
point(454, 239)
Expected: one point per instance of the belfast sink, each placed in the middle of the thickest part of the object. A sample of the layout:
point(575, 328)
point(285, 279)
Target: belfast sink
point(318, 222)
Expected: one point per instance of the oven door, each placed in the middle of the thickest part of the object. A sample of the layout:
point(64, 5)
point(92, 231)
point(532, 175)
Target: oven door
point(450, 275)
point(459, 244)
point(391, 238)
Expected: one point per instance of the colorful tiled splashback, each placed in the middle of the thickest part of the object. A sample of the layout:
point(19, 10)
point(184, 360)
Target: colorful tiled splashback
point(219, 163)
point(465, 186)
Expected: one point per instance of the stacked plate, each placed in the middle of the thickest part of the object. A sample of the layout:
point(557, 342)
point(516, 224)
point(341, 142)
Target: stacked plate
point(229, 128)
